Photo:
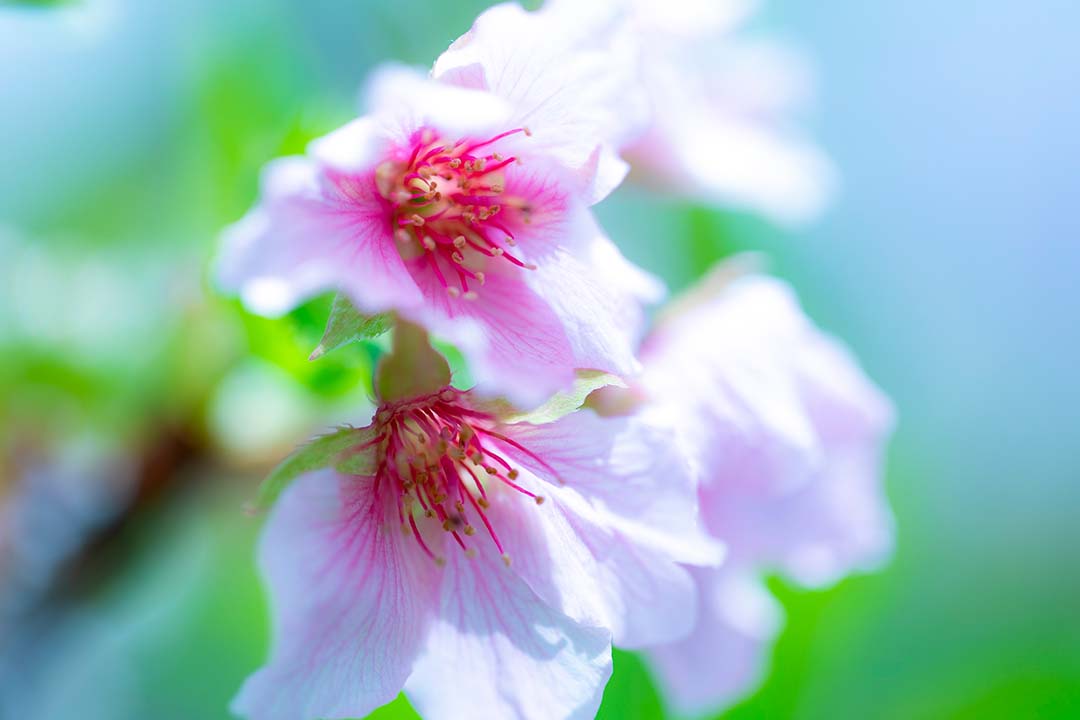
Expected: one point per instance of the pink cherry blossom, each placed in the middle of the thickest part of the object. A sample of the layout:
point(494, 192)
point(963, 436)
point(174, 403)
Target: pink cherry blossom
point(481, 562)
point(461, 201)
point(722, 105)
point(786, 437)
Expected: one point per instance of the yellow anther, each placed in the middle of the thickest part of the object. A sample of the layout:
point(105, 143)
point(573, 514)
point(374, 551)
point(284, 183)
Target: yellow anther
point(481, 278)
point(453, 292)
point(460, 241)
point(470, 530)
point(429, 243)
point(539, 499)
point(471, 295)
point(457, 257)
point(513, 474)
point(482, 502)
point(440, 561)
point(490, 470)
point(506, 559)
point(470, 553)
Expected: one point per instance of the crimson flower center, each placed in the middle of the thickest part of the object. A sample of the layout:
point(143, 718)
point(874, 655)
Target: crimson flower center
point(450, 209)
point(442, 462)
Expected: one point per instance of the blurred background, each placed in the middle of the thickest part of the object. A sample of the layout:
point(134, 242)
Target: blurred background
point(138, 409)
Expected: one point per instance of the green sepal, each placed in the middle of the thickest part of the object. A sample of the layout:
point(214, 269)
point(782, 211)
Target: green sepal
point(347, 324)
point(560, 404)
point(342, 449)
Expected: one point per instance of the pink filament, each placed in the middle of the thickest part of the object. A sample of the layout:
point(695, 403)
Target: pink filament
point(442, 442)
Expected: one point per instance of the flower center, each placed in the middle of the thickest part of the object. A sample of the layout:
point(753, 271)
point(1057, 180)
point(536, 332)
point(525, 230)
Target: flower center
point(441, 461)
point(450, 208)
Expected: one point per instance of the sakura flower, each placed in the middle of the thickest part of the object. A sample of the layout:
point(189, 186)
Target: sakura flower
point(786, 435)
point(461, 201)
point(480, 560)
point(723, 106)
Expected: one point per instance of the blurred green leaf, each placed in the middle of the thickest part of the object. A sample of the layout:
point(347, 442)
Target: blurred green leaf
point(629, 694)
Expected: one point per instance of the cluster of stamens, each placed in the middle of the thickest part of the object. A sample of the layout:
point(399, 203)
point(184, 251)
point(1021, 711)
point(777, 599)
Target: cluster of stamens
point(450, 208)
point(441, 462)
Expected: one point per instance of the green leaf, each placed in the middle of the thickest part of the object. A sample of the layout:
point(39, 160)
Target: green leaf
point(341, 449)
point(347, 324)
point(559, 404)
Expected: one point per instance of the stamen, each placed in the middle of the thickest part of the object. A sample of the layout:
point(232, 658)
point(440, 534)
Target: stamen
point(454, 191)
point(429, 451)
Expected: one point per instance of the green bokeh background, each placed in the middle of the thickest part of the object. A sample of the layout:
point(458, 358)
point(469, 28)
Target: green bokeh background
point(134, 130)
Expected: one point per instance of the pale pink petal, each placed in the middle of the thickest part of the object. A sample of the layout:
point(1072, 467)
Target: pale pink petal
point(786, 431)
point(737, 162)
point(723, 370)
point(497, 651)
point(591, 569)
point(311, 234)
point(404, 100)
point(619, 513)
point(629, 469)
point(355, 148)
point(351, 601)
point(725, 656)
point(724, 113)
point(574, 88)
point(691, 17)
point(636, 588)
point(843, 523)
point(514, 342)
point(599, 297)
